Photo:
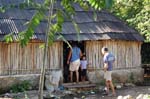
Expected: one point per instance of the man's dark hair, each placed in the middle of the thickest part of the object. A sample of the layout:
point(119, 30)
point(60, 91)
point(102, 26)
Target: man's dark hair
point(106, 49)
point(74, 43)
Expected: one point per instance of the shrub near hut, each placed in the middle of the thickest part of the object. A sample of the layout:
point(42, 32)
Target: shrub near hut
point(21, 87)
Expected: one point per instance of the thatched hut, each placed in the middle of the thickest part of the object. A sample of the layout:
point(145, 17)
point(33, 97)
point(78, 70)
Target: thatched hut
point(106, 30)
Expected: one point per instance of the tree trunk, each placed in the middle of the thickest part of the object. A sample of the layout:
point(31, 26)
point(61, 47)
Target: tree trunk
point(41, 83)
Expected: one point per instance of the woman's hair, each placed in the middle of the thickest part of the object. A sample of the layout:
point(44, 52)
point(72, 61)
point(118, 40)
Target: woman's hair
point(74, 43)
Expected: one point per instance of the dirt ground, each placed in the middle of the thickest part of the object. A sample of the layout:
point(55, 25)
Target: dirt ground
point(79, 94)
point(133, 91)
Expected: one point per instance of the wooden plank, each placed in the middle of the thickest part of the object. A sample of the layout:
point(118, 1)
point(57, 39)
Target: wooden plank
point(17, 56)
point(23, 61)
point(96, 55)
point(61, 54)
point(26, 61)
point(115, 51)
point(99, 55)
point(67, 84)
point(19, 59)
point(80, 85)
point(37, 45)
point(1, 59)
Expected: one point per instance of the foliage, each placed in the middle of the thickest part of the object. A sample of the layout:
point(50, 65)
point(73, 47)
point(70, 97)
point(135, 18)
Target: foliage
point(102, 82)
point(136, 13)
point(21, 87)
point(131, 78)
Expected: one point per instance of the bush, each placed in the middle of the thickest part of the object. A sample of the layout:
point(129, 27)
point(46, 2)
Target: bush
point(21, 87)
point(102, 82)
point(131, 78)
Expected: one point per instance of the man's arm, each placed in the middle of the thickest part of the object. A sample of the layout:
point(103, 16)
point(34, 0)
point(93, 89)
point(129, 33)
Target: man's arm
point(105, 66)
point(69, 56)
point(81, 54)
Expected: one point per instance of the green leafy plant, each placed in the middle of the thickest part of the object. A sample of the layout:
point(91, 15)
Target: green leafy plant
point(115, 81)
point(21, 87)
point(136, 13)
point(131, 78)
point(102, 82)
point(148, 96)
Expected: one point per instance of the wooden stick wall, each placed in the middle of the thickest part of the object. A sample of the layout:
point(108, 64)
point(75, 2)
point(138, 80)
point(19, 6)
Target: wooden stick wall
point(127, 53)
point(17, 60)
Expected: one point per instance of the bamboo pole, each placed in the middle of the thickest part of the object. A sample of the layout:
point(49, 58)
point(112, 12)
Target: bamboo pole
point(41, 84)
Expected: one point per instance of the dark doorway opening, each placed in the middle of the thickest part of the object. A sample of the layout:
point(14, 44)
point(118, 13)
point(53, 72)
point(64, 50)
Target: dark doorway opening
point(146, 62)
point(66, 73)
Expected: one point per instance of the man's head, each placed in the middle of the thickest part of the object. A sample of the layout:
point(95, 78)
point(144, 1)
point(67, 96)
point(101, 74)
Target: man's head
point(104, 50)
point(74, 44)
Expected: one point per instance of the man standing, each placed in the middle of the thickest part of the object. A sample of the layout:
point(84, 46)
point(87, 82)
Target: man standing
point(108, 60)
point(74, 60)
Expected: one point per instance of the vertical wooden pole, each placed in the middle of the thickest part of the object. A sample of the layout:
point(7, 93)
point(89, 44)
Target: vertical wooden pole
point(41, 84)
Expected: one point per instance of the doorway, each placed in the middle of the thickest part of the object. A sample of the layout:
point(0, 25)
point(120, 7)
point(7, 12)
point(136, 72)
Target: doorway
point(66, 73)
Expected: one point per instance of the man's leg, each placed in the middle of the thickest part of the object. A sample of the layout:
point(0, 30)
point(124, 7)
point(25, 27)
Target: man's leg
point(71, 74)
point(112, 88)
point(77, 76)
point(111, 85)
point(107, 86)
point(77, 71)
point(106, 77)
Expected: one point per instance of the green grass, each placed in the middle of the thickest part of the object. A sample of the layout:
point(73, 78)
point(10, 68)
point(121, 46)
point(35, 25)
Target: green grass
point(20, 87)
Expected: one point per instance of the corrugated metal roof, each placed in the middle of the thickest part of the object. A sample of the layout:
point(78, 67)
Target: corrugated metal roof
point(106, 26)
point(6, 2)
point(97, 27)
point(17, 14)
point(16, 2)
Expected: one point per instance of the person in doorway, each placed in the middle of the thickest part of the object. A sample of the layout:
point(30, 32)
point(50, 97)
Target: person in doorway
point(108, 60)
point(83, 68)
point(74, 61)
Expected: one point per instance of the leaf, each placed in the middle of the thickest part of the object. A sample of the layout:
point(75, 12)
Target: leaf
point(60, 18)
point(8, 38)
point(51, 38)
point(22, 5)
point(61, 37)
point(53, 16)
point(27, 23)
point(108, 3)
point(95, 16)
point(2, 9)
point(42, 46)
point(96, 6)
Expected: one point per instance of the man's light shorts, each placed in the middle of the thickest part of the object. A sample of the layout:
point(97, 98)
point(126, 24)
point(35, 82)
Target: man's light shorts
point(107, 75)
point(74, 66)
